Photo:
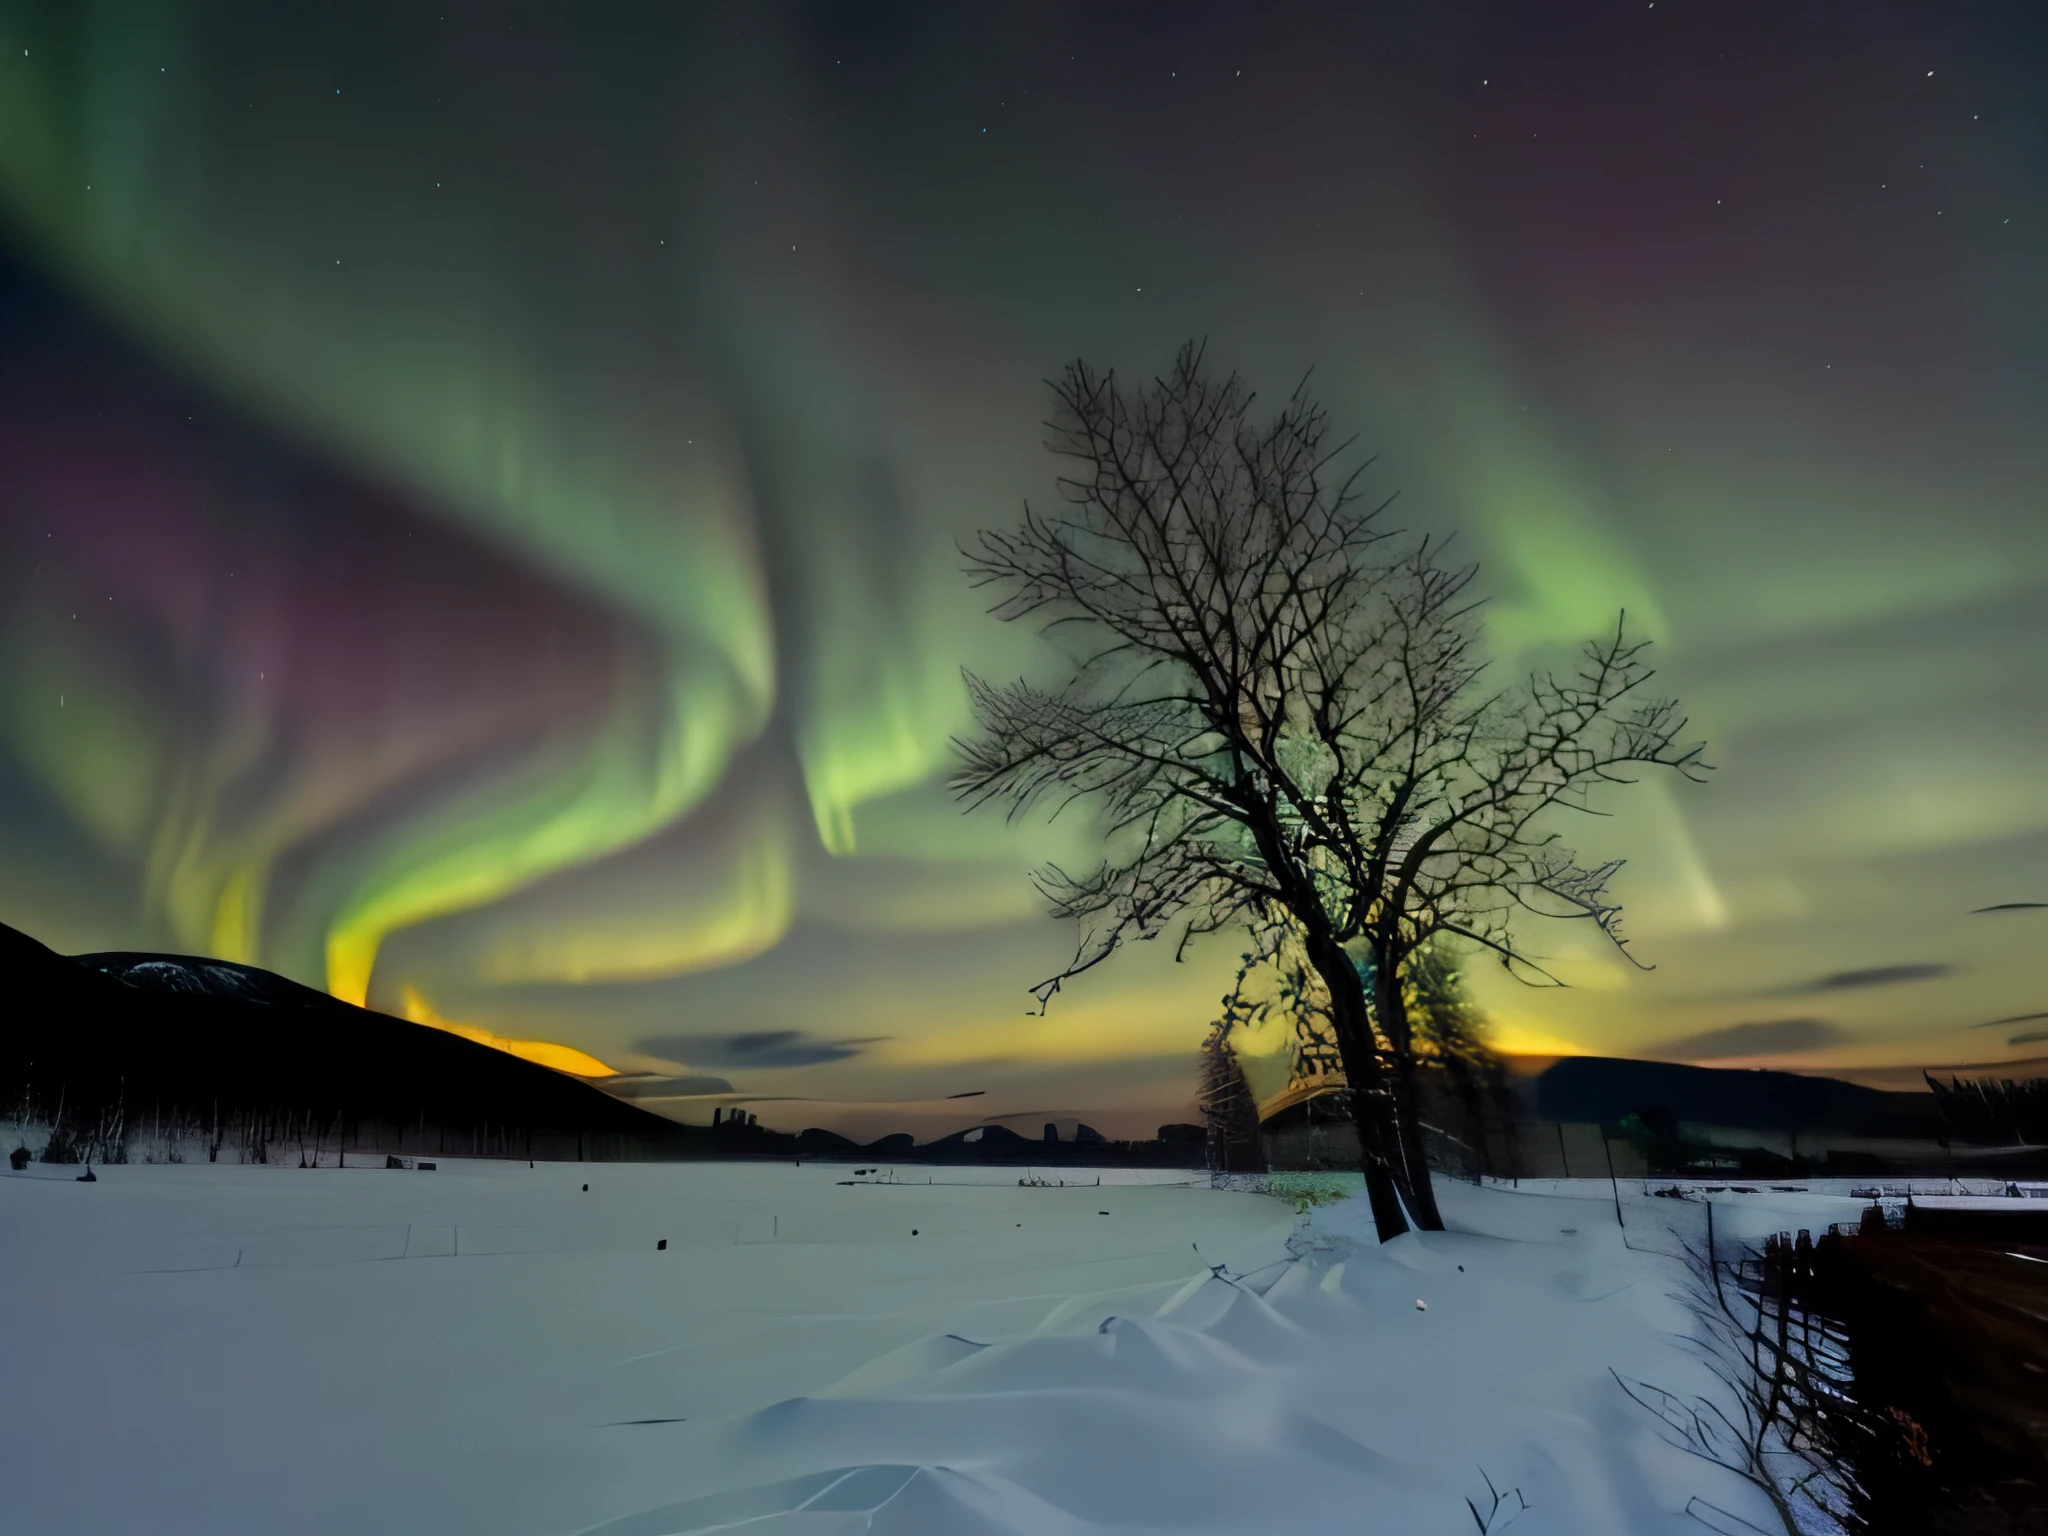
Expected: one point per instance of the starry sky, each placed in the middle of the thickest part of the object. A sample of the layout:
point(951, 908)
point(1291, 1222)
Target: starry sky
point(480, 484)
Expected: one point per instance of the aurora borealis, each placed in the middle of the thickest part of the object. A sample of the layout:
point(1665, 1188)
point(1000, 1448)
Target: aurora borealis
point(479, 488)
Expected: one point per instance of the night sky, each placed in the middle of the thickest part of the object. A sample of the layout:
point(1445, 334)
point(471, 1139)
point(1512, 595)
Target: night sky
point(479, 488)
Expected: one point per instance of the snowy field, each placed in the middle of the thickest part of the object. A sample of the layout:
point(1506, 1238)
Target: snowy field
point(488, 1348)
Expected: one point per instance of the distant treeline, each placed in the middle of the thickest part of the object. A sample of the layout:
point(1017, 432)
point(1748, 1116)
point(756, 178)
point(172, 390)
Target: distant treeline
point(55, 1132)
point(1175, 1146)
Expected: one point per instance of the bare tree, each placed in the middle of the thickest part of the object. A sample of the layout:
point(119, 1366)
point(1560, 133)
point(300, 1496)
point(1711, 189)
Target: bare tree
point(1276, 705)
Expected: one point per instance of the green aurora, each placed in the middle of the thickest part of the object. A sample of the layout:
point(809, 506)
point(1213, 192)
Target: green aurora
point(481, 489)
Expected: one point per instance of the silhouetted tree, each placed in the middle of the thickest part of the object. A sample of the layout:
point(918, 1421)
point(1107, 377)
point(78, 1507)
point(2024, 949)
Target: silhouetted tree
point(1230, 1111)
point(1276, 704)
point(1450, 1035)
point(1992, 1112)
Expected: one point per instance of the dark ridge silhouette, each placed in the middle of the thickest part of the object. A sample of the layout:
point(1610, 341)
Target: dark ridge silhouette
point(1175, 1146)
point(194, 976)
point(1606, 1089)
point(989, 1143)
point(171, 1034)
point(96, 1038)
point(816, 1142)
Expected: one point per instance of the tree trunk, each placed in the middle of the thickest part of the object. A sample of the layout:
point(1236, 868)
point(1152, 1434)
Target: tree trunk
point(1392, 1009)
point(1369, 1103)
point(1421, 1189)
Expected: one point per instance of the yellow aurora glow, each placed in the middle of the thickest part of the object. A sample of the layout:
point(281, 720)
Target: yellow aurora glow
point(563, 1058)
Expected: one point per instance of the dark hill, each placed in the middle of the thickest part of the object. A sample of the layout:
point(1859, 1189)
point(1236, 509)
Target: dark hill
point(174, 1034)
point(1605, 1088)
point(191, 976)
point(983, 1144)
point(823, 1143)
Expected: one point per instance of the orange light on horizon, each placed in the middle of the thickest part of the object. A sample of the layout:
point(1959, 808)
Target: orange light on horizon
point(1516, 1037)
point(546, 1053)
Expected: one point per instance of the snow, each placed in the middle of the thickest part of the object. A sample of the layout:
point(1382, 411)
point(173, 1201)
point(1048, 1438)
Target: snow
point(488, 1348)
point(180, 976)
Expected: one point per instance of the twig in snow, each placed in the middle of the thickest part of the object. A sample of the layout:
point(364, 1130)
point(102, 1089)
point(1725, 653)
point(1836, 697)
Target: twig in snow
point(1499, 1514)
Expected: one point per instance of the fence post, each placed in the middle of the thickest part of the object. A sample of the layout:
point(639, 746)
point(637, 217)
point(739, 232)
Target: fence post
point(1608, 1147)
point(1713, 1264)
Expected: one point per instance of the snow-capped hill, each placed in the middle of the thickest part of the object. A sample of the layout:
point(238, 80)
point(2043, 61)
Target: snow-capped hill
point(192, 976)
point(186, 1032)
point(174, 977)
point(177, 978)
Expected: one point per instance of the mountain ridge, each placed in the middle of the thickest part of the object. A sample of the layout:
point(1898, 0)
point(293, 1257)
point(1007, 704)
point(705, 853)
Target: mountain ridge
point(196, 1034)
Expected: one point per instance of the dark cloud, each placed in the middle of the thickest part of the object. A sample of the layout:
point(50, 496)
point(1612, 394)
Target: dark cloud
point(655, 1085)
point(760, 1048)
point(2029, 1037)
point(2012, 906)
point(1765, 1037)
point(1876, 976)
point(2017, 1018)
point(1847, 981)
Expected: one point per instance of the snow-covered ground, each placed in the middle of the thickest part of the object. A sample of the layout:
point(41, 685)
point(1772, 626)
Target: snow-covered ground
point(489, 1348)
